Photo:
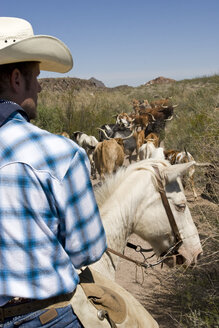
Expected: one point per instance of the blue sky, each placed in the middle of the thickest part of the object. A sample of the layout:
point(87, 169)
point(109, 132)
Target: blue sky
point(128, 41)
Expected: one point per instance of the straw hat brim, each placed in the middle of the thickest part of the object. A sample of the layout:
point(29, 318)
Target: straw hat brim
point(50, 52)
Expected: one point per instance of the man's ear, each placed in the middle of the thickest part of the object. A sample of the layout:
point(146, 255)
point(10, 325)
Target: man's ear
point(16, 80)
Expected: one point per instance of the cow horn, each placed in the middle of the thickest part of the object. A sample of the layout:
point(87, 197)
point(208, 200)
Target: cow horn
point(125, 138)
point(152, 116)
point(169, 119)
point(113, 138)
point(186, 153)
point(174, 106)
point(164, 106)
point(104, 132)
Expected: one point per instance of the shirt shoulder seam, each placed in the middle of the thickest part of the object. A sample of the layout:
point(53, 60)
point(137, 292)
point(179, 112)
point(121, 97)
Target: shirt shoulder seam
point(33, 168)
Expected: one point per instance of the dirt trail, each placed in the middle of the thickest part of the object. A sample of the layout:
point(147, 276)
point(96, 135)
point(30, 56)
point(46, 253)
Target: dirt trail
point(142, 283)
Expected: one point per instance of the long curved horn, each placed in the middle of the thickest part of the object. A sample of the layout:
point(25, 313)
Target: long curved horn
point(169, 119)
point(125, 138)
point(113, 138)
point(186, 153)
point(152, 116)
point(104, 132)
point(173, 106)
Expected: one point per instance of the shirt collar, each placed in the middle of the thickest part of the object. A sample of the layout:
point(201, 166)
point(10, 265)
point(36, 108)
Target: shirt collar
point(7, 108)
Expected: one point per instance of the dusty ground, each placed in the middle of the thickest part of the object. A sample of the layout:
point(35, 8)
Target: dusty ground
point(150, 286)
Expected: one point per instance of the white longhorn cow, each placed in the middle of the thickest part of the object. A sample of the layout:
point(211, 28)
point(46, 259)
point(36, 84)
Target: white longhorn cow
point(88, 143)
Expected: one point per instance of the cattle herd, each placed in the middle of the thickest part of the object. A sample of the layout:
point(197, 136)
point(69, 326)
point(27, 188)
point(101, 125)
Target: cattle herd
point(137, 135)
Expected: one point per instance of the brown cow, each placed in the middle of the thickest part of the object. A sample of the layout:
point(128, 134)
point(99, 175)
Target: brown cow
point(139, 137)
point(138, 126)
point(160, 102)
point(123, 119)
point(108, 156)
point(64, 134)
point(142, 120)
point(129, 146)
point(136, 104)
point(154, 138)
point(179, 157)
point(145, 103)
point(162, 113)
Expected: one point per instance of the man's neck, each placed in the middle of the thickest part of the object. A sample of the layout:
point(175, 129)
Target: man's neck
point(7, 108)
point(9, 98)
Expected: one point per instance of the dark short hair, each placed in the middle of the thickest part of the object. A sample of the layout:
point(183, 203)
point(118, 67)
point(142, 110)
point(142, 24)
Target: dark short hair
point(6, 70)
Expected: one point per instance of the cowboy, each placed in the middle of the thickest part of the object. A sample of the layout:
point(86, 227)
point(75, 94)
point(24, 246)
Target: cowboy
point(49, 220)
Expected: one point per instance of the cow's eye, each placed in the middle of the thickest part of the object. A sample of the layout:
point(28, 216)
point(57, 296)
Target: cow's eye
point(180, 207)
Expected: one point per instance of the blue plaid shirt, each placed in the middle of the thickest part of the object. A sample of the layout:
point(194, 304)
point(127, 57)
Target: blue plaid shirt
point(49, 219)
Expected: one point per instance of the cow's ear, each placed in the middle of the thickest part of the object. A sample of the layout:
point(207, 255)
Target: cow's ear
point(171, 173)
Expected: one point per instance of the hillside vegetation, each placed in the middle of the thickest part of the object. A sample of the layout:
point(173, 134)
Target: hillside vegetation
point(67, 105)
point(73, 104)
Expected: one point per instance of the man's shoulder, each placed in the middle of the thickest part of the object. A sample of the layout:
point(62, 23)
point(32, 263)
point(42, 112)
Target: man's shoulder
point(38, 148)
point(52, 142)
point(55, 148)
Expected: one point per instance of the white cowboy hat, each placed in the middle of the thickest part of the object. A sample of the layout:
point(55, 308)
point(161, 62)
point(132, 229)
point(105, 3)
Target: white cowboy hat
point(19, 44)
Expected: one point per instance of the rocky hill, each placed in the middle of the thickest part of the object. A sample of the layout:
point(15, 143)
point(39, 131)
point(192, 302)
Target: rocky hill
point(160, 80)
point(69, 83)
point(73, 83)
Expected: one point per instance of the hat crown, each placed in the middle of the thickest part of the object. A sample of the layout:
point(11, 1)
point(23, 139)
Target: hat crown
point(19, 44)
point(13, 29)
